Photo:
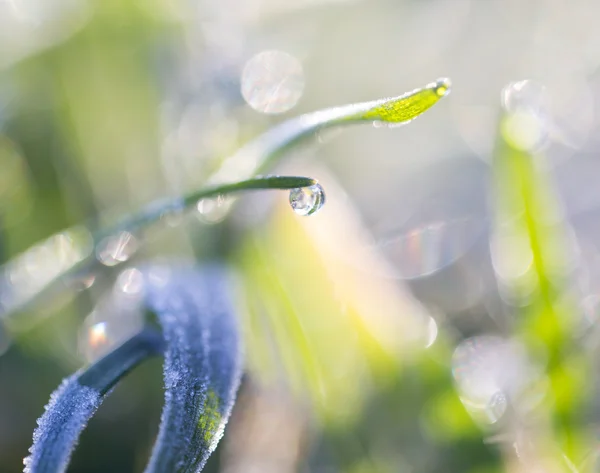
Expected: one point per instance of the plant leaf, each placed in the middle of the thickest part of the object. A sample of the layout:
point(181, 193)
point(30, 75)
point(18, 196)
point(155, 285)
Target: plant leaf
point(202, 371)
point(202, 366)
point(254, 158)
point(259, 155)
point(69, 256)
point(77, 399)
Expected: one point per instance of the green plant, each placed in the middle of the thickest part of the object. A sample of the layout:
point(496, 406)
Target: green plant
point(193, 306)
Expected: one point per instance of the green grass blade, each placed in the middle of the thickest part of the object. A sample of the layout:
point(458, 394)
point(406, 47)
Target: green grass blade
point(77, 399)
point(80, 244)
point(260, 154)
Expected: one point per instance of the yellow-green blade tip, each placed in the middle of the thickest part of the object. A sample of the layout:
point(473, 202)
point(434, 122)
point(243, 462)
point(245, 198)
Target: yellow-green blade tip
point(402, 109)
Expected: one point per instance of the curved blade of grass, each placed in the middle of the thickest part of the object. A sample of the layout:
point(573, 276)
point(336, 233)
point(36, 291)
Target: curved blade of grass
point(202, 366)
point(77, 246)
point(77, 399)
point(253, 158)
point(202, 371)
point(259, 154)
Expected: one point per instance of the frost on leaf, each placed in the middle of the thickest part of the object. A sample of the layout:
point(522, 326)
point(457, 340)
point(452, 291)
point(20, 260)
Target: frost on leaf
point(202, 370)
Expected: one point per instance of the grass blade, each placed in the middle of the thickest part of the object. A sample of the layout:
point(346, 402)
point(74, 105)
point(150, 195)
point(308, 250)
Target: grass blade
point(77, 399)
point(202, 371)
point(260, 154)
point(202, 365)
point(77, 255)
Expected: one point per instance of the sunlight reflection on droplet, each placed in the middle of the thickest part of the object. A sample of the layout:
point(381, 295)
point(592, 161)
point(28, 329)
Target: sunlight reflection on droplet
point(116, 249)
point(496, 407)
point(272, 82)
point(525, 126)
point(85, 282)
point(130, 281)
point(490, 370)
point(524, 94)
point(213, 209)
point(307, 200)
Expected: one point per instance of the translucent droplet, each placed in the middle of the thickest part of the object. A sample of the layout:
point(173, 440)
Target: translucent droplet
point(173, 218)
point(84, 282)
point(489, 370)
point(213, 209)
point(116, 249)
point(442, 86)
point(526, 125)
point(130, 281)
point(496, 407)
point(307, 200)
point(524, 95)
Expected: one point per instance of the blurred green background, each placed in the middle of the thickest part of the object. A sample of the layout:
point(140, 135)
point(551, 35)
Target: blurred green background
point(439, 314)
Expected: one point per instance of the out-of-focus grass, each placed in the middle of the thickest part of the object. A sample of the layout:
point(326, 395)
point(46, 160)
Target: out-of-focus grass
point(534, 255)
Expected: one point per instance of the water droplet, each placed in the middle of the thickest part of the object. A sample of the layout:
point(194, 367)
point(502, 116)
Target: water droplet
point(524, 95)
point(442, 86)
point(489, 370)
point(496, 407)
point(213, 209)
point(116, 249)
point(173, 218)
point(307, 200)
point(526, 125)
point(130, 281)
point(84, 282)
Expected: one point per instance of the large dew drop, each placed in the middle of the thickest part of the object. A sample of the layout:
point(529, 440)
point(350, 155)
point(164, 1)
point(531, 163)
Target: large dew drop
point(307, 200)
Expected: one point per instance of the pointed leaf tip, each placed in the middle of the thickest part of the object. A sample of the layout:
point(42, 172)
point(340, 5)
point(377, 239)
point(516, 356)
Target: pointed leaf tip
point(408, 106)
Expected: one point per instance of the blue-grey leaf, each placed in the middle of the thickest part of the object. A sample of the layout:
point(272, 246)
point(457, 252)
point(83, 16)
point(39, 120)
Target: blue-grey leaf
point(202, 364)
point(202, 372)
point(77, 399)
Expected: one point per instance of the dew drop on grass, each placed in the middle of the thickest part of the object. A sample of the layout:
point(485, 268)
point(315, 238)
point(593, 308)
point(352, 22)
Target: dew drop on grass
point(496, 407)
point(307, 200)
point(116, 249)
point(213, 210)
point(442, 87)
